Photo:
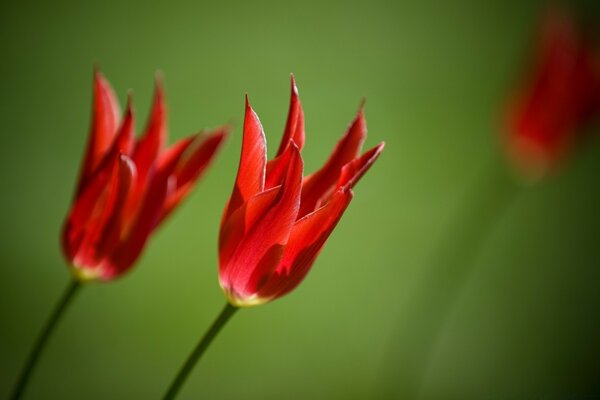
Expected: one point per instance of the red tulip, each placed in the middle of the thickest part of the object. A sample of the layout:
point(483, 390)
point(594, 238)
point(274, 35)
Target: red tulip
point(561, 97)
point(128, 186)
point(276, 221)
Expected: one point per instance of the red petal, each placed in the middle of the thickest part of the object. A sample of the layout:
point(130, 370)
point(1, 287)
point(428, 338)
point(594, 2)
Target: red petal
point(125, 138)
point(94, 210)
point(169, 160)
point(170, 157)
point(122, 144)
point(77, 221)
point(306, 241)
point(242, 220)
point(294, 127)
point(149, 146)
point(355, 169)
point(294, 132)
point(276, 169)
point(268, 220)
point(131, 247)
point(251, 172)
point(317, 185)
point(105, 119)
point(113, 230)
point(192, 164)
point(161, 185)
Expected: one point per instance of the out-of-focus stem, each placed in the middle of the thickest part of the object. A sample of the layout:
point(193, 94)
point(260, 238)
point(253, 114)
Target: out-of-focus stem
point(435, 294)
point(66, 299)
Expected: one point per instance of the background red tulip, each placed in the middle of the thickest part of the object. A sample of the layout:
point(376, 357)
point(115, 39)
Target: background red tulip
point(128, 186)
point(560, 98)
point(276, 221)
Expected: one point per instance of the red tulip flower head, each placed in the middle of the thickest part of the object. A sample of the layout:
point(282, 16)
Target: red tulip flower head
point(128, 186)
point(561, 97)
point(276, 221)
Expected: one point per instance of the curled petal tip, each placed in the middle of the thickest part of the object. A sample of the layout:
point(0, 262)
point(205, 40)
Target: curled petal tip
point(220, 133)
point(361, 106)
point(159, 85)
point(377, 150)
point(353, 171)
point(360, 116)
point(129, 107)
point(294, 87)
point(129, 98)
point(97, 71)
point(224, 131)
point(100, 80)
point(159, 78)
point(250, 111)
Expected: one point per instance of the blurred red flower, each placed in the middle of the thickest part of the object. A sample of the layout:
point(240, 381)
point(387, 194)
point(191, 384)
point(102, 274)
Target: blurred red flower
point(276, 221)
point(561, 95)
point(128, 186)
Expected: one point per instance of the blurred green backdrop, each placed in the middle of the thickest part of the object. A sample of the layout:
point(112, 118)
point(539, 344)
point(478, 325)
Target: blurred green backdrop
point(435, 75)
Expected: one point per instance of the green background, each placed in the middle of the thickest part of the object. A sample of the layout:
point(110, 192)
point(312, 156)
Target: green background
point(435, 74)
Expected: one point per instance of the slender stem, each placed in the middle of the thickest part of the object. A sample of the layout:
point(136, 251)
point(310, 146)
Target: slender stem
point(193, 358)
point(44, 335)
point(452, 263)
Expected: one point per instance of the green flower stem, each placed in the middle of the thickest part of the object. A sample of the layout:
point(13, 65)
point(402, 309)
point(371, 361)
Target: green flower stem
point(193, 358)
point(66, 299)
point(450, 267)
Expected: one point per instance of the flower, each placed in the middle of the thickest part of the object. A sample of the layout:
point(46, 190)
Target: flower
point(128, 186)
point(560, 98)
point(276, 221)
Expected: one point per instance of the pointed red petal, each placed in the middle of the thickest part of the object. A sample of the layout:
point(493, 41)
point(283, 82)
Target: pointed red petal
point(113, 229)
point(149, 146)
point(105, 119)
point(321, 182)
point(242, 220)
point(355, 169)
point(124, 141)
point(251, 172)
point(122, 144)
point(81, 212)
point(294, 132)
point(276, 169)
point(294, 127)
point(192, 165)
point(169, 160)
point(306, 241)
point(92, 215)
point(132, 245)
point(170, 157)
point(259, 250)
point(161, 185)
